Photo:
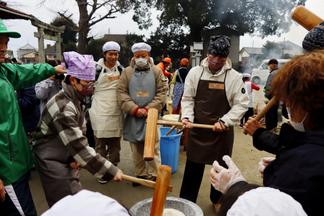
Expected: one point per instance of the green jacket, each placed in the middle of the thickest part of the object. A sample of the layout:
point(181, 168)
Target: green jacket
point(15, 153)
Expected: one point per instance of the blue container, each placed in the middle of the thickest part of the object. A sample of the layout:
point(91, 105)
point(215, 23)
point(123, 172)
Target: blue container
point(170, 148)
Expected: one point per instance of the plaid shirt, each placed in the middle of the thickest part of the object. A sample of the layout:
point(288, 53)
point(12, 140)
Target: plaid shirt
point(61, 135)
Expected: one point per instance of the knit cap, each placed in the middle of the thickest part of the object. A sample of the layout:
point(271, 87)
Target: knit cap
point(219, 45)
point(314, 39)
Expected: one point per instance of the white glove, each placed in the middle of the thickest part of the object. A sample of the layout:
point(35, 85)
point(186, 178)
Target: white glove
point(263, 163)
point(221, 178)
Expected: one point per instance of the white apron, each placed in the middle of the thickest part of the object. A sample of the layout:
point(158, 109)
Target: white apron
point(105, 114)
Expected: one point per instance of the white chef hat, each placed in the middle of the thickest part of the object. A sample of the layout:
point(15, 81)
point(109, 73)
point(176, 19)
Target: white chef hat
point(111, 45)
point(247, 75)
point(86, 203)
point(266, 201)
point(141, 47)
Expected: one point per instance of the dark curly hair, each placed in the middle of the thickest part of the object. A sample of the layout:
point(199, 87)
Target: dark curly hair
point(300, 84)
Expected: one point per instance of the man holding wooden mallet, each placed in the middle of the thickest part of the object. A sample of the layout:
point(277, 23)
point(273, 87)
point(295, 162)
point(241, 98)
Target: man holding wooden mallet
point(142, 85)
point(214, 94)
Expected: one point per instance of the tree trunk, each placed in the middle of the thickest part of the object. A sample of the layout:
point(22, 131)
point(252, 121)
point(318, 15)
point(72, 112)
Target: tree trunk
point(195, 33)
point(83, 26)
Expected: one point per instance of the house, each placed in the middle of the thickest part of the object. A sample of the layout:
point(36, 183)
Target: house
point(50, 52)
point(290, 49)
point(26, 52)
point(250, 53)
point(31, 57)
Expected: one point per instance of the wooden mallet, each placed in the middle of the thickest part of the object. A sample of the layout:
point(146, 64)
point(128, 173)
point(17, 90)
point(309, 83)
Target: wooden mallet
point(144, 182)
point(151, 131)
point(161, 190)
point(305, 17)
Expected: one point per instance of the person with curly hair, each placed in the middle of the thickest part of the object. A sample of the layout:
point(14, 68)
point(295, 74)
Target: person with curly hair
point(298, 168)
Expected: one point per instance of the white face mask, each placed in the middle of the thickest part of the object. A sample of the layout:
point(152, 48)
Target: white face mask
point(141, 62)
point(298, 126)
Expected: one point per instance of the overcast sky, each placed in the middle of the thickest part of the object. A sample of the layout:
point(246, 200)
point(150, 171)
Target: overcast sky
point(123, 23)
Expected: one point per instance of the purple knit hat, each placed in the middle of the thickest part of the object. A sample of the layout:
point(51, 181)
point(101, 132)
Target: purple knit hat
point(80, 66)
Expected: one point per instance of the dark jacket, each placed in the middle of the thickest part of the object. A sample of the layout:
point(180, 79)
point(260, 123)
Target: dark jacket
point(182, 72)
point(267, 87)
point(29, 107)
point(298, 169)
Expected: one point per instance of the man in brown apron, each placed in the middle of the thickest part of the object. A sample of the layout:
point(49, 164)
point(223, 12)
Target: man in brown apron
point(214, 94)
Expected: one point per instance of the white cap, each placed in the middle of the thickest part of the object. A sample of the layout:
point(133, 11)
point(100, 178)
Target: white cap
point(141, 47)
point(247, 75)
point(86, 203)
point(265, 201)
point(110, 45)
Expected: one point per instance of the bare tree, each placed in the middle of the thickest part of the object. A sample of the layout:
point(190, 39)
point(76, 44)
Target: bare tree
point(92, 12)
point(89, 17)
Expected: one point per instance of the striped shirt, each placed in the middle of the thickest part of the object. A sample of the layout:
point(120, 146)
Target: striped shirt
point(62, 131)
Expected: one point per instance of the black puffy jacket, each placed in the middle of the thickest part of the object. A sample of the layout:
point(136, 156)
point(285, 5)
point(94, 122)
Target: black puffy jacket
point(298, 169)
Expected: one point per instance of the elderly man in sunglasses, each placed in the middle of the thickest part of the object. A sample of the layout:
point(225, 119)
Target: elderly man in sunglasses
point(61, 144)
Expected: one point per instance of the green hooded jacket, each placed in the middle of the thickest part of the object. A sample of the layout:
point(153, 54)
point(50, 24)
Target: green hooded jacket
point(15, 153)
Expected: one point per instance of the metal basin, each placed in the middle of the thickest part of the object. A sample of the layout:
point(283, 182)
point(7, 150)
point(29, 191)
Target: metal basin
point(187, 207)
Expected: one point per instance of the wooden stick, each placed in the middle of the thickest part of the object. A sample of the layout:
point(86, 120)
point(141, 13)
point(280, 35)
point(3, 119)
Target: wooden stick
point(160, 192)
point(170, 131)
point(179, 124)
point(144, 182)
point(305, 17)
point(268, 106)
point(150, 134)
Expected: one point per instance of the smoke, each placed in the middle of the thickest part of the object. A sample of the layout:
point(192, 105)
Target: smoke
point(268, 17)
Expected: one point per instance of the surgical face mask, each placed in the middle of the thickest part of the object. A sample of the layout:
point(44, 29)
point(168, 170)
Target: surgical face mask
point(87, 89)
point(215, 63)
point(141, 62)
point(298, 126)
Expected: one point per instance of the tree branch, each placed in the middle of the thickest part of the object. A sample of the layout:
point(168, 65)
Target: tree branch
point(93, 9)
point(113, 9)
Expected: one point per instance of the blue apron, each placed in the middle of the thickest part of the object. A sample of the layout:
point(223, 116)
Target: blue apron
point(177, 92)
point(142, 89)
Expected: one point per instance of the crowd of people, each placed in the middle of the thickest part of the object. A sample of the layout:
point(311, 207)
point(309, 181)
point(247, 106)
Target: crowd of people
point(45, 109)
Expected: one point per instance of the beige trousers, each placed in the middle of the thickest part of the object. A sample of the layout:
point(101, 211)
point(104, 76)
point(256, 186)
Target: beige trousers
point(145, 168)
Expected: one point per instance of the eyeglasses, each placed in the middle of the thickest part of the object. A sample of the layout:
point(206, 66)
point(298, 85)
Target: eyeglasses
point(87, 84)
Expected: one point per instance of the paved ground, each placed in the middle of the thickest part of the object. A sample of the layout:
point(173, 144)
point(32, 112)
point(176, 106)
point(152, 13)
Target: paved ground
point(244, 155)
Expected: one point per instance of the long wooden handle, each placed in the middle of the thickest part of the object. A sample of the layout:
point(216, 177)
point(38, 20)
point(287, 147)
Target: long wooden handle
point(161, 190)
point(268, 106)
point(150, 134)
point(144, 182)
point(305, 17)
point(170, 130)
point(179, 124)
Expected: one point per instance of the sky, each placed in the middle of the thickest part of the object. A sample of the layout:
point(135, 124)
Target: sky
point(124, 24)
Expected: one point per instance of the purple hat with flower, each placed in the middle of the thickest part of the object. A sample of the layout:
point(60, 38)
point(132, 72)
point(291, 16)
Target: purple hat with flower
point(80, 66)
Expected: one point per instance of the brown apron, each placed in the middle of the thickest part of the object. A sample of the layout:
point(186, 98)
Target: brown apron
point(204, 145)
